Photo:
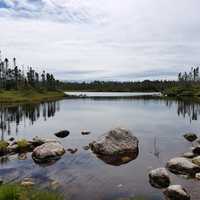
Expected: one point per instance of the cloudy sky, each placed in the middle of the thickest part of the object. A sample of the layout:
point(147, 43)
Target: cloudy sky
point(102, 39)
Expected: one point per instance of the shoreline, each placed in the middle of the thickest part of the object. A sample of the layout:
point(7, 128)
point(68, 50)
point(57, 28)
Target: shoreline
point(29, 96)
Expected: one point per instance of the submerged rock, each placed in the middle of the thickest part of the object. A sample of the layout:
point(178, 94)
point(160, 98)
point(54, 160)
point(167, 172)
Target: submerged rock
point(182, 166)
point(116, 147)
point(115, 142)
point(191, 137)
point(72, 151)
point(62, 134)
point(159, 178)
point(48, 152)
point(189, 155)
point(176, 192)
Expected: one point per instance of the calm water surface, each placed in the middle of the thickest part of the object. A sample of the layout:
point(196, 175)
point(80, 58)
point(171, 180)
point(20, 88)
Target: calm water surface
point(158, 124)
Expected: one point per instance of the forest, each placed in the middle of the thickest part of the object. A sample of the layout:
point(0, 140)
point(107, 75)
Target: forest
point(15, 77)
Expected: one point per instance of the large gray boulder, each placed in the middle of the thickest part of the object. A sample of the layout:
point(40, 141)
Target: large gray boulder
point(176, 192)
point(182, 166)
point(48, 152)
point(159, 178)
point(116, 142)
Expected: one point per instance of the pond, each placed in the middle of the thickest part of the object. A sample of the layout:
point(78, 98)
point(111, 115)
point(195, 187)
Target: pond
point(158, 124)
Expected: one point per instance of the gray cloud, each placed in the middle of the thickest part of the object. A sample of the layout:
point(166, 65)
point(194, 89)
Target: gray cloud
point(104, 39)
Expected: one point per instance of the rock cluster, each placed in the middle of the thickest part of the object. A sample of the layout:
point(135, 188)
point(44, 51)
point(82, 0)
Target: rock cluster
point(188, 164)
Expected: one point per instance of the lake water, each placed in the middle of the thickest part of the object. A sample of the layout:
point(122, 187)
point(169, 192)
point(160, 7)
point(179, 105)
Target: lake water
point(158, 124)
point(112, 94)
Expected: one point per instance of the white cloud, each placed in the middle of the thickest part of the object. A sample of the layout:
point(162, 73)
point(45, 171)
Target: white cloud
point(115, 38)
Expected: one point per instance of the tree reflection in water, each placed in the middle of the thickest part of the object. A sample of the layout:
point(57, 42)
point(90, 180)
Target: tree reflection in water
point(10, 114)
point(186, 108)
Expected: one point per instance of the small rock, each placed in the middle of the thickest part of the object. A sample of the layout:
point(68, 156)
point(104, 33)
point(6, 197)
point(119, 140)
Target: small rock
point(72, 151)
point(62, 134)
point(176, 192)
point(47, 152)
point(182, 166)
point(54, 185)
point(85, 132)
point(196, 150)
point(196, 160)
point(191, 137)
point(197, 176)
point(11, 139)
point(37, 141)
point(27, 182)
point(22, 156)
point(86, 148)
point(189, 155)
point(159, 178)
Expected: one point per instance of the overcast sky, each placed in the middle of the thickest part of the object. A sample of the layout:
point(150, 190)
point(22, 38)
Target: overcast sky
point(102, 39)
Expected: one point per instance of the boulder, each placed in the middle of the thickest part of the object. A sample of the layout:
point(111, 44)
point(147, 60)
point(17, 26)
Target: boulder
point(48, 152)
point(159, 178)
point(189, 155)
point(191, 137)
point(116, 142)
point(182, 166)
point(196, 150)
point(62, 134)
point(176, 192)
point(196, 160)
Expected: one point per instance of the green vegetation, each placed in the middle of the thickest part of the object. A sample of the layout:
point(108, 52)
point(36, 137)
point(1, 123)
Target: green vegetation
point(16, 192)
point(21, 85)
point(188, 85)
point(113, 86)
point(22, 144)
point(3, 147)
point(29, 95)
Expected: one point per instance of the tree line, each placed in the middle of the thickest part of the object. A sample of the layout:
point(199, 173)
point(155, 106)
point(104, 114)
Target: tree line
point(15, 77)
point(191, 76)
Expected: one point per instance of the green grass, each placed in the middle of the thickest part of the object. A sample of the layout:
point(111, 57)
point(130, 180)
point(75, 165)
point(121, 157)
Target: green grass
point(183, 91)
point(3, 147)
point(17, 192)
point(29, 95)
point(22, 144)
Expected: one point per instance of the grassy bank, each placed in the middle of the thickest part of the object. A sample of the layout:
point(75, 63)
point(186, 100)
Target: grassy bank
point(183, 91)
point(29, 95)
point(17, 192)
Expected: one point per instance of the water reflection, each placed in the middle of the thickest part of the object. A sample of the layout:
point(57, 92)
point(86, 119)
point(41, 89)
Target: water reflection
point(186, 108)
point(14, 114)
point(118, 160)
